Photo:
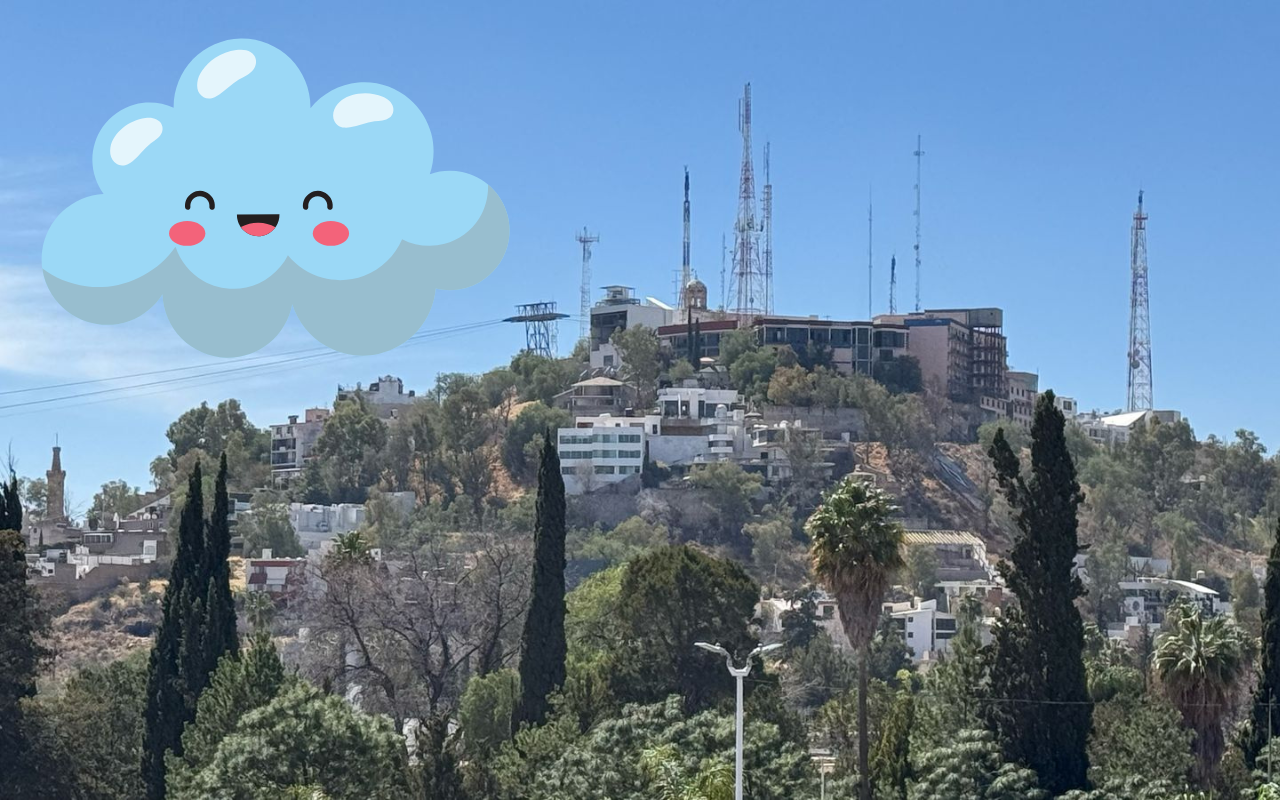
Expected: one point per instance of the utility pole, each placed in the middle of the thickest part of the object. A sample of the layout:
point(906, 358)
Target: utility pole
point(586, 240)
point(919, 153)
point(1139, 316)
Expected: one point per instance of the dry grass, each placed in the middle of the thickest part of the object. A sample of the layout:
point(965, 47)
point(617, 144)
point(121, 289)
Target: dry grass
point(104, 629)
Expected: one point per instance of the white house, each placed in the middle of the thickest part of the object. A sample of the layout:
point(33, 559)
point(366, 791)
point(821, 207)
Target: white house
point(600, 451)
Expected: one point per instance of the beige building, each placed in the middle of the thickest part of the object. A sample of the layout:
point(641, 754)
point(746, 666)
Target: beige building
point(1024, 388)
point(963, 351)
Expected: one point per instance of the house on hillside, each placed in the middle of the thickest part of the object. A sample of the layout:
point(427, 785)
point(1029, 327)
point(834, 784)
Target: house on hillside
point(962, 555)
point(281, 578)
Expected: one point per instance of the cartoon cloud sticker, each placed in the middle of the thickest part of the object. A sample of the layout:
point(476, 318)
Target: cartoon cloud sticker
point(243, 200)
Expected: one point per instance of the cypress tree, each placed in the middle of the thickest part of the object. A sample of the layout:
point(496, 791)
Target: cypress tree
point(10, 505)
point(219, 627)
point(542, 647)
point(1038, 654)
point(170, 704)
point(1265, 716)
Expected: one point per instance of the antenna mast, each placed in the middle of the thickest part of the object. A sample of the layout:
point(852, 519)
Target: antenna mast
point(893, 283)
point(586, 240)
point(685, 273)
point(869, 262)
point(1139, 317)
point(767, 253)
point(918, 154)
point(724, 250)
point(747, 281)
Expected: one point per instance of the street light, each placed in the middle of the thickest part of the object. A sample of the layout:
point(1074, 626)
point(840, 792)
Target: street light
point(739, 673)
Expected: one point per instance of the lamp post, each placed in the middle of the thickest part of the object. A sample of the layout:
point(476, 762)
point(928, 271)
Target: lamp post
point(738, 673)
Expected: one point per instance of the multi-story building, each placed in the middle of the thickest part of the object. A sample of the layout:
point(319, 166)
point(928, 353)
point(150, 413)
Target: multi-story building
point(1067, 405)
point(1115, 429)
point(293, 441)
point(771, 449)
point(601, 451)
point(1024, 388)
point(618, 311)
point(963, 351)
point(595, 396)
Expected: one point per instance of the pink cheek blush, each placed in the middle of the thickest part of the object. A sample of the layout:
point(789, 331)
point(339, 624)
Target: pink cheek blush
point(187, 233)
point(330, 233)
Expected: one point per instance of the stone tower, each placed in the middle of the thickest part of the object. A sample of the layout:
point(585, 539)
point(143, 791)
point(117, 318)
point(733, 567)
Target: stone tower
point(55, 508)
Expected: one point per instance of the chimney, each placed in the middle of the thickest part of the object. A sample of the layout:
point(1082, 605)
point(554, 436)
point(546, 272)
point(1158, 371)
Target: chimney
point(266, 552)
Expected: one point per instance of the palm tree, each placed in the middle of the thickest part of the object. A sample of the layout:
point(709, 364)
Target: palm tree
point(1200, 661)
point(667, 780)
point(856, 549)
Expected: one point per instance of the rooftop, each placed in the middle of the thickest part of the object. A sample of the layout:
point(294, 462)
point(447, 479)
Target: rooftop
point(942, 537)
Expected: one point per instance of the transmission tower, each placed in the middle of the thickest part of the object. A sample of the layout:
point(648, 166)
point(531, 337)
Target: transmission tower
point(893, 284)
point(919, 153)
point(1139, 317)
point(724, 252)
point(766, 255)
point(586, 240)
point(747, 284)
point(539, 327)
point(686, 274)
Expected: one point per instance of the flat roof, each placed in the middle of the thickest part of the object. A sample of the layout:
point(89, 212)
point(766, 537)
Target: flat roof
point(942, 537)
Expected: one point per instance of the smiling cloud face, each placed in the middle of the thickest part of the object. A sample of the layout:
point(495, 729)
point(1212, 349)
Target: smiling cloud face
point(244, 189)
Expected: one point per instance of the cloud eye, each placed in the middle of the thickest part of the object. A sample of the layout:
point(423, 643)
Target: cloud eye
point(194, 195)
point(327, 200)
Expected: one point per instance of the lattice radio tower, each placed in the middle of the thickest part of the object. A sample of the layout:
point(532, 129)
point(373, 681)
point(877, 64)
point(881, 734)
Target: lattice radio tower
point(919, 153)
point(747, 288)
point(1139, 317)
point(584, 308)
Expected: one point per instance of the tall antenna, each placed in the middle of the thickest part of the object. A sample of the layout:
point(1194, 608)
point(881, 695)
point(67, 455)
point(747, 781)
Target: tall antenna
point(893, 284)
point(747, 280)
point(724, 251)
point(1139, 317)
point(586, 240)
point(869, 262)
point(685, 273)
point(767, 252)
point(918, 154)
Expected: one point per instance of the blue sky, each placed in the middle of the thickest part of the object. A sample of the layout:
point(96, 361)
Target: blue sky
point(1040, 124)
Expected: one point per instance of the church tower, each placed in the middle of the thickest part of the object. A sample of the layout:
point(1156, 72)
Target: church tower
point(55, 508)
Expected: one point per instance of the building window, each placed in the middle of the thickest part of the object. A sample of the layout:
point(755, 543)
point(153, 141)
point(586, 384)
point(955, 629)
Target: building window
point(630, 454)
point(606, 454)
point(608, 361)
point(828, 612)
point(605, 470)
point(911, 634)
point(568, 470)
point(628, 438)
point(605, 438)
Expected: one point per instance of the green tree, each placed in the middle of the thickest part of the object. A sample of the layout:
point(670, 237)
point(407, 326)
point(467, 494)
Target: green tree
point(671, 598)
point(971, 766)
point(1246, 601)
point(239, 686)
point(486, 711)
point(638, 347)
point(267, 527)
point(22, 624)
point(890, 760)
point(348, 450)
point(1264, 718)
point(777, 558)
point(1038, 650)
point(1138, 735)
point(465, 424)
point(115, 497)
point(1015, 435)
point(1161, 455)
point(541, 378)
point(920, 572)
point(857, 549)
point(532, 423)
point(169, 708)
point(1201, 662)
point(210, 429)
point(790, 386)
point(680, 372)
point(900, 375)
point(218, 631)
point(96, 721)
point(951, 699)
point(35, 497)
point(752, 371)
point(309, 738)
point(1182, 536)
point(729, 490)
point(542, 646)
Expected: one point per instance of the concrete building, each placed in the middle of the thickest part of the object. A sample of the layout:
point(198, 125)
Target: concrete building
point(1115, 429)
point(674, 338)
point(961, 555)
point(696, 425)
point(601, 451)
point(293, 441)
point(1024, 388)
point(280, 578)
point(1067, 405)
point(617, 311)
point(771, 446)
point(963, 351)
point(386, 396)
point(595, 396)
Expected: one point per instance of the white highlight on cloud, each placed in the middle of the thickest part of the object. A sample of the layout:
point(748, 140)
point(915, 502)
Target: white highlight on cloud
point(223, 71)
point(357, 109)
point(132, 139)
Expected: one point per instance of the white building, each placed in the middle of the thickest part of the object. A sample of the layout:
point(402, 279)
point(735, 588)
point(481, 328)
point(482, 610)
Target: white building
point(618, 311)
point(697, 425)
point(1067, 405)
point(927, 630)
point(316, 524)
point(1115, 429)
point(601, 450)
point(770, 445)
point(386, 396)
